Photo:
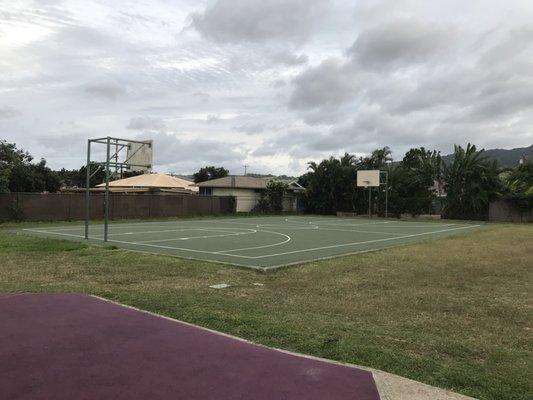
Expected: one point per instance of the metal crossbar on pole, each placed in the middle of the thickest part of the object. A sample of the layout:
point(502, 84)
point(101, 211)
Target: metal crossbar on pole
point(119, 144)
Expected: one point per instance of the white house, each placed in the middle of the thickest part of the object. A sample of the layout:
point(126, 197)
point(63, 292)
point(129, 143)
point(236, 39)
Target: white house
point(247, 191)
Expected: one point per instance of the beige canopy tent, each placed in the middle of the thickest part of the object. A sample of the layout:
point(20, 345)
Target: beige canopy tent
point(151, 181)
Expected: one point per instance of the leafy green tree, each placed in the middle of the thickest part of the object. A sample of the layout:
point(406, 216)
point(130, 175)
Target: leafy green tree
point(10, 155)
point(262, 206)
point(271, 200)
point(210, 172)
point(519, 181)
point(275, 191)
point(76, 178)
point(379, 159)
point(129, 174)
point(415, 180)
point(4, 183)
point(21, 174)
point(471, 182)
point(331, 185)
point(518, 186)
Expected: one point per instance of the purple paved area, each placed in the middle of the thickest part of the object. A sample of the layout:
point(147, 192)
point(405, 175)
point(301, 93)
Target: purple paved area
point(70, 346)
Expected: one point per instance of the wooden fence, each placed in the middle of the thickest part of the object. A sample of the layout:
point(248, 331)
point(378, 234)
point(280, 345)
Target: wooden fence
point(505, 211)
point(71, 206)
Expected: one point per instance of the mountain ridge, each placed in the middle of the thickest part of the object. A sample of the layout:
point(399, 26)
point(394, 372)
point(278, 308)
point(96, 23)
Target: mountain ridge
point(506, 158)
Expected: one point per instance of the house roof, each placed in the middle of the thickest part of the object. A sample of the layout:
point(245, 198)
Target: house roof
point(242, 182)
point(154, 180)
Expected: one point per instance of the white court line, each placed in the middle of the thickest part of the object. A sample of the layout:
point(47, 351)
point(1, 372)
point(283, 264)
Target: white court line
point(359, 231)
point(419, 226)
point(167, 247)
point(112, 225)
point(173, 230)
point(365, 242)
point(166, 224)
point(318, 222)
point(124, 242)
point(320, 228)
point(288, 239)
point(199, 237)
point(162, 224)
point(223, 252)
point(390, 224)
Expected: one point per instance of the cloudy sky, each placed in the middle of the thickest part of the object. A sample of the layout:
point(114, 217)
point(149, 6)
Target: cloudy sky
point(268, 83)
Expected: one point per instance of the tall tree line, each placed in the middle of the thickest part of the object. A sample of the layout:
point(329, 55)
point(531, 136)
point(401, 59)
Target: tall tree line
point(418, 184)
point(20, 173)
point(464, 187)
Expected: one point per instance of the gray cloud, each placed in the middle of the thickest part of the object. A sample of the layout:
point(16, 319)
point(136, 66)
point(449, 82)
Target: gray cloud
point(61, 142)
point(251, 128)
point(147, 123)
point(330, 83)
point(400, 43)
point(106, 89)
point(514, 44)
point(259, 20)
point(173, 152)
point(278, 83)
point(270, 83)
point(202, 96)
point(289, 59)
point(8, 112)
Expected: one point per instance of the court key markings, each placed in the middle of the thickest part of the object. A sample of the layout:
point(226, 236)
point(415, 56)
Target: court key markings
point(265, 242)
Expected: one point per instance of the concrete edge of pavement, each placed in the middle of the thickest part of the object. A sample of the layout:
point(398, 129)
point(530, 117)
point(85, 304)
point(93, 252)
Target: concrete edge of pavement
point(390, 386)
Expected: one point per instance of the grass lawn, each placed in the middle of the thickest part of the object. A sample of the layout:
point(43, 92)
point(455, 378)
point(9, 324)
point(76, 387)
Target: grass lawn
point(454, 313)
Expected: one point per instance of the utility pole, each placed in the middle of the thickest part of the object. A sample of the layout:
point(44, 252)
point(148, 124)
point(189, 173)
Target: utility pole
point(245, 168)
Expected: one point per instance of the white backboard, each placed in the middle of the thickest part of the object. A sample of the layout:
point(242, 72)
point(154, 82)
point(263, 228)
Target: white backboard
point(139, 156)
point(368, 178)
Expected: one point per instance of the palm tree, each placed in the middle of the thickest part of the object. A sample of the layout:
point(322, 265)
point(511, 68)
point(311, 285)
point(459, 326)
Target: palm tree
point(471, 182)
point(380, 157)
point(348, 160)
point(312, 166)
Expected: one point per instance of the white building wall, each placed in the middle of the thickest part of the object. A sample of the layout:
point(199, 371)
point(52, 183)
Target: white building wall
point(246, 199)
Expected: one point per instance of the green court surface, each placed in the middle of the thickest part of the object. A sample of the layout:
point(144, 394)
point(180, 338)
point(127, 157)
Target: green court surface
point(260, 242)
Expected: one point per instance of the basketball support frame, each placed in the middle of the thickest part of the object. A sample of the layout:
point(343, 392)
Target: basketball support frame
point(385, 183)
point(111, 161)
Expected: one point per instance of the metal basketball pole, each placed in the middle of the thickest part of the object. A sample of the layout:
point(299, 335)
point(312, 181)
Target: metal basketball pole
point(106, 196)
point(386, 194)
point(110, 161)
point(87, 190)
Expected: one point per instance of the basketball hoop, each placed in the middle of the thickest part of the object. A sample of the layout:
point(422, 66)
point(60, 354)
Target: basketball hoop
point(138, 158)
point(372, 178)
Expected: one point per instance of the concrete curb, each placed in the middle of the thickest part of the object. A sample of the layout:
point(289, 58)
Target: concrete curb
point(390, 386)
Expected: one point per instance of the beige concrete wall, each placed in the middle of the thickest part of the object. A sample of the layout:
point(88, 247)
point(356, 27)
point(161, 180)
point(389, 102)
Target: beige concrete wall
point(247, 199)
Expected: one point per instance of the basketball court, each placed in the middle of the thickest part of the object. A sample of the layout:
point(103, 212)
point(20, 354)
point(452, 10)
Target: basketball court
point(260, 242)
